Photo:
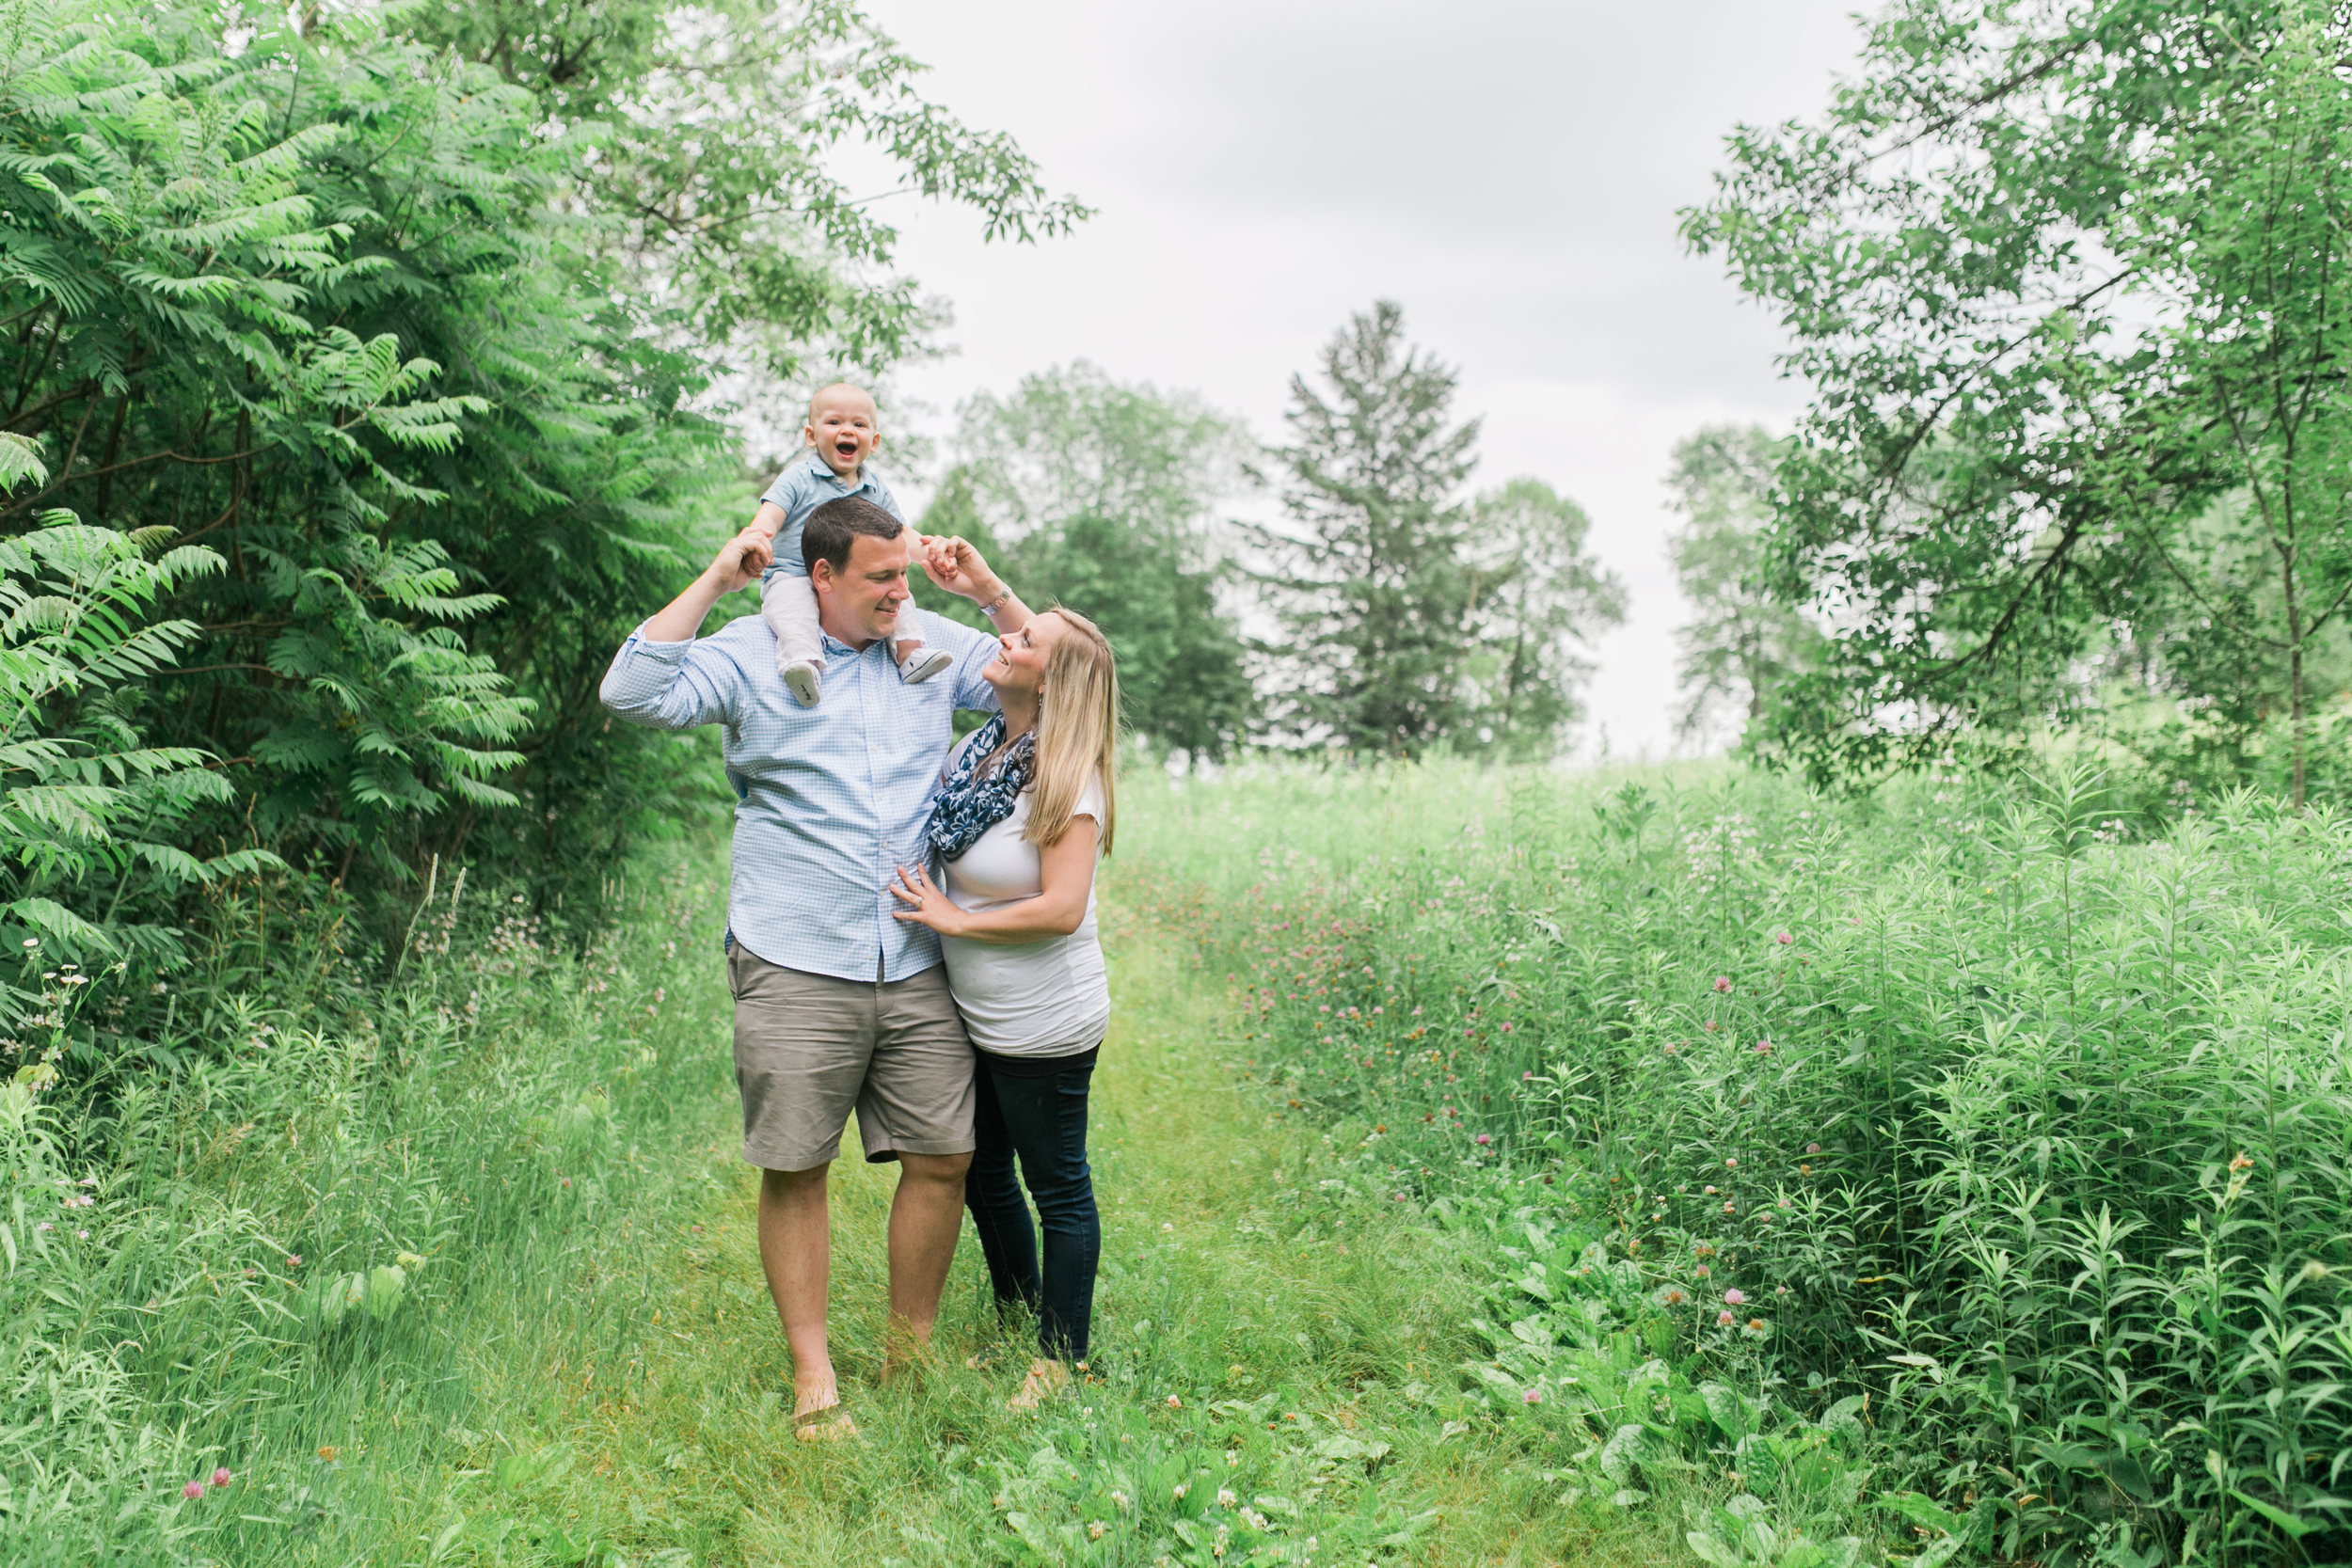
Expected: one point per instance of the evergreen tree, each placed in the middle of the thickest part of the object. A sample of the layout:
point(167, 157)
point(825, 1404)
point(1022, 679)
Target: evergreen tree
point(1373, 580)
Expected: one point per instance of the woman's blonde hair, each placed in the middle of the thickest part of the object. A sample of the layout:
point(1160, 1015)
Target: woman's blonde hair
point(1077, 732)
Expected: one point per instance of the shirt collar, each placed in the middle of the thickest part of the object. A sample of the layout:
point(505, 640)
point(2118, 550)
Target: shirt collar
point(822, 469)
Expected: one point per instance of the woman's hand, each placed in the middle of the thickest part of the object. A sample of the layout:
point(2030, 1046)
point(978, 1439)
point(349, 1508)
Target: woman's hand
point(926, 904)
point(955, 565)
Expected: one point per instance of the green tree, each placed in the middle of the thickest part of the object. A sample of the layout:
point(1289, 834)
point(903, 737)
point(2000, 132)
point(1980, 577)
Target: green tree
point(1742, 643)
point(1103, 495)
point(377, 324)
point(89, 812)
point(1549, 595)
point(697, 135)
point(2067, 281)
point(1372, 579)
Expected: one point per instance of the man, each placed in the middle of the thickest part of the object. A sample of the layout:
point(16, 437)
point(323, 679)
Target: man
point(836, 1005)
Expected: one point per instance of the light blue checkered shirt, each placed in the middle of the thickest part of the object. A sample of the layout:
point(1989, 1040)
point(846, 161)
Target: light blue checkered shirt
point(829, 800)
point(806, 483)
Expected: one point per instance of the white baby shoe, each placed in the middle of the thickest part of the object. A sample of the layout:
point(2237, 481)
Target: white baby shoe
point(805, 680)
point(924, 663)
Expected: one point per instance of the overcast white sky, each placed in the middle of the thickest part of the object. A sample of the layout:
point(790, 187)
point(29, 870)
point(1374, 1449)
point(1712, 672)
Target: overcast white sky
point(1508, 171)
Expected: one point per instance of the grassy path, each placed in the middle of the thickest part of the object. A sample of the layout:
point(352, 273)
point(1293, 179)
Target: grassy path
point(1271, 1341)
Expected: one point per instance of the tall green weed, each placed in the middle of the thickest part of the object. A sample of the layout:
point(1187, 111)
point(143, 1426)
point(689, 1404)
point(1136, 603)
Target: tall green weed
point(240, 1298)
point(2017, 1117)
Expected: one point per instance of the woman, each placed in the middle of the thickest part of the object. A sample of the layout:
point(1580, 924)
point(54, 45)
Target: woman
point(1025, 811)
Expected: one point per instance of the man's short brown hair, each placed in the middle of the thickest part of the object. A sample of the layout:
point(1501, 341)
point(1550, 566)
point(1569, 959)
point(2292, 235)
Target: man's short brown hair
point(831, 529)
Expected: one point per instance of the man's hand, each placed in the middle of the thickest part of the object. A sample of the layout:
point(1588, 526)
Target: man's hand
point(743, 558)
point(737, 565)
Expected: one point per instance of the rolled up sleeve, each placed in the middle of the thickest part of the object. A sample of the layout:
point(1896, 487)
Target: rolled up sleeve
point(974, 651)
point(669, 685)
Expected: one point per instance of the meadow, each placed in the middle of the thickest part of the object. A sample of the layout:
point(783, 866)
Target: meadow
point(1499, 1166)
point(1967, 1157)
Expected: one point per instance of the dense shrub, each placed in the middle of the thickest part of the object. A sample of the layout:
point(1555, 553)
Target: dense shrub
point(2022, 1120)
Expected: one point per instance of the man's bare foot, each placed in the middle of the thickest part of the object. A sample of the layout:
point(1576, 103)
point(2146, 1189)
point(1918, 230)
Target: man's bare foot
point(826, 1424)
point(816, 1413)
point(907, 1359)
point(1045, 1379)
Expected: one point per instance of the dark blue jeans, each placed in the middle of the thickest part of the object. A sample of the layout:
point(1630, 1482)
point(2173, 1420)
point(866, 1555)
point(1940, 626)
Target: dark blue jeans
point(1043, 1123)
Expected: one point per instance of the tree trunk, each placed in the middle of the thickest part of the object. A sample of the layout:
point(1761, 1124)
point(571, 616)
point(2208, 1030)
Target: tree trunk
point(2294, 670)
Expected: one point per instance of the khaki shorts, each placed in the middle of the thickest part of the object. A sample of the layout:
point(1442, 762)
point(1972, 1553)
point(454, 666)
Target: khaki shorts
point(809, 1048)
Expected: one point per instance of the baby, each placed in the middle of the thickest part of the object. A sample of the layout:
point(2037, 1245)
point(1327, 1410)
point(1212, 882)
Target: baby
point(842, 433)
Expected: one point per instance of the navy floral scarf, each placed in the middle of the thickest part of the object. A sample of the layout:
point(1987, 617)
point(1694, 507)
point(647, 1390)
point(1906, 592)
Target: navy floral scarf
point(970, 803)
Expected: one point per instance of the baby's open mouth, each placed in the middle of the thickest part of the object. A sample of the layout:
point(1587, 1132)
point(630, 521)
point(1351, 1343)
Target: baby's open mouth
point(847, 446)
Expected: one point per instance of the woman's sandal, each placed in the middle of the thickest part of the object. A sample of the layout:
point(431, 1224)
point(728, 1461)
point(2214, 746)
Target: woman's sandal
point(825, 1424)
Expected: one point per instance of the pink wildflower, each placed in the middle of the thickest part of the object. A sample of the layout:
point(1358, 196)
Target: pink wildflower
point(1711, 1192)
point(1723, 982)
point(193, 1489)
point(1175, 1403)
point(1484, 1139)
point(1724, 1318)
point(1813, 1148)
point(1533, 1396)
point(1700, 1270)
point(1527, 1078)
point(1734, 1297)
point(1783, 939)
point(1731, 1165)
point(221, 1477)
point(1763, 1048)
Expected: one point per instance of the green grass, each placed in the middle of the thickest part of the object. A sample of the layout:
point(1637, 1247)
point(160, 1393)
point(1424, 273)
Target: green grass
point(584, 1366)
point(1433, 1136)
point(1305, 1334)
point(460, 1151)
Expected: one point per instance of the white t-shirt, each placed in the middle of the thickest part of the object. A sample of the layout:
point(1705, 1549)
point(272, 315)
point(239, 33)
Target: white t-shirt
point(1050, 997)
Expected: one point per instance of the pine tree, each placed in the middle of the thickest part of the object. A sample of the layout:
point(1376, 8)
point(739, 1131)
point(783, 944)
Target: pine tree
point(1372, 580)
